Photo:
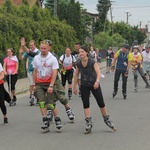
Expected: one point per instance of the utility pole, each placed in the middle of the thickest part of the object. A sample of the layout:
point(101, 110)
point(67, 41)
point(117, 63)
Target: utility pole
point(112, 28)
point(140, 24)
point(128, 15)
point(55, 7)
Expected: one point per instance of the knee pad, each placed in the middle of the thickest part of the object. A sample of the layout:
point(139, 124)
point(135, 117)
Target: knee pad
point(42, 105)
point(52, 106)
point(69, 81)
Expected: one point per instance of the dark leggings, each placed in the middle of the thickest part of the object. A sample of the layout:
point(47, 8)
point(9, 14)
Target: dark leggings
point(13, 79)
point(68, 76)
point(97, 93)
point(2, 104)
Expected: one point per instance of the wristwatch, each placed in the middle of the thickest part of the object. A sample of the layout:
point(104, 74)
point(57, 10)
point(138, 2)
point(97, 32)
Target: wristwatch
point(51, 86)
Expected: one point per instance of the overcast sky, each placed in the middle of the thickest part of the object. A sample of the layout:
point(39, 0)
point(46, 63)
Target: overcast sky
point(138, 9)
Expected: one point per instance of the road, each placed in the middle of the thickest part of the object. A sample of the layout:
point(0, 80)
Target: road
point(131, 118)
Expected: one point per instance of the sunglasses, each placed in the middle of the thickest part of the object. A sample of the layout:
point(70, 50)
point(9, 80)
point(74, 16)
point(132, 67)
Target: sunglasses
point(46, 42)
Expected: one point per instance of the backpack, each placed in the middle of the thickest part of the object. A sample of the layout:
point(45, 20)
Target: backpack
point(126, 53)
point(64, 58)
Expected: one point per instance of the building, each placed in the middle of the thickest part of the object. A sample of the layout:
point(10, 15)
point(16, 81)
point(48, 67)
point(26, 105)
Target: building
point(18, 2)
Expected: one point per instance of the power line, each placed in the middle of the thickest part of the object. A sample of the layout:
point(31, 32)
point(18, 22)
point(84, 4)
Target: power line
point(131, 7)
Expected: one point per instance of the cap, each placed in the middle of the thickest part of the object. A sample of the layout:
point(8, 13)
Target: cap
point(125, 46)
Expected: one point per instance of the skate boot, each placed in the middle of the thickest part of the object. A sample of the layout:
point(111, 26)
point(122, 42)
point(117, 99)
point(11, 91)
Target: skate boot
point(5, 120)
point(32, 100)
point(135, 88)
point(45, 125)
point(109, 122)
point(88, 126)
point(14, 98)
point(49, 115)
point(124, 95)
point(58, 123)
point(135, 85)
point(147, 86)
point(70, 114)
point(12, 103)
point(69, 93)
point(114, 93)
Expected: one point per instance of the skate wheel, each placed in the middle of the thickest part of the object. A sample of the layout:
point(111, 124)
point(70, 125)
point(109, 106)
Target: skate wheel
point(59, 130)
point(72, 121)
point(114, 129)
point(87, 131)
point(46, 130)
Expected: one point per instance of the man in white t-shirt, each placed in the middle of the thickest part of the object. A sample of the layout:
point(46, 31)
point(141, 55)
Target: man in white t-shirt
point(44, 76)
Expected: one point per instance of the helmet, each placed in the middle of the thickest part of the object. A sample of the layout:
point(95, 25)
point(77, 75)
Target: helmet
point(135, 42)
point(125, 46)
point(135, 47)
point(147, 46)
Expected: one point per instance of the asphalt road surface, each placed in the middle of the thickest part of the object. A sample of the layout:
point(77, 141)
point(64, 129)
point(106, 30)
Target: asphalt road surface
point(131, 118)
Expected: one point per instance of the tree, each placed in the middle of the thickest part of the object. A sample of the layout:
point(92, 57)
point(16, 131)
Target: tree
point(32, 23)
point(128, 32)
point(104, 40)
point(103, 7)
point(50, 5)
point(25, 2)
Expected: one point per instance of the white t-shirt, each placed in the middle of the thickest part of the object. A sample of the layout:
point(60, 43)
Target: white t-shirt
point(93, 54)
point(1, 68)
point(146, 56)
point(67, 61)
point(45, 67)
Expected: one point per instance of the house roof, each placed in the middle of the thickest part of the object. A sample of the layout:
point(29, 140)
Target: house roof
point(18, 2)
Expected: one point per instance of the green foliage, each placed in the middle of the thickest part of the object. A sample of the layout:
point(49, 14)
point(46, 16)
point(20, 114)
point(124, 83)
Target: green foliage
point(32, 23)
point(128, 32)
point(50, 5)
point(102, 8)
point(70, 11)
point(104, 40)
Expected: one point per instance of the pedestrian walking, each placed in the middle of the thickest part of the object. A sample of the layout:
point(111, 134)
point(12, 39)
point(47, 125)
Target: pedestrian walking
point(11, 71)
point(121, 65)
point(90, 81)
